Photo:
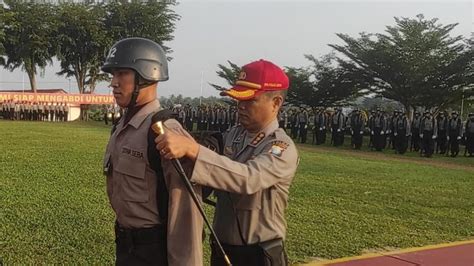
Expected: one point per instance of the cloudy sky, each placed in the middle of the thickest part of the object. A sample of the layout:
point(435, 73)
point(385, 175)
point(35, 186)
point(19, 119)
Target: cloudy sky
point(212, 32)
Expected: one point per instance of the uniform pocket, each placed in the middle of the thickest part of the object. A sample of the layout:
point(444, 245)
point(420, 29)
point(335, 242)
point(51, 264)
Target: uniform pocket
point(131, 172)
point(248, 202)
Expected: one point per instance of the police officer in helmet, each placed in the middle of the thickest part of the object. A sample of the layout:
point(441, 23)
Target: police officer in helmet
point(156, 220)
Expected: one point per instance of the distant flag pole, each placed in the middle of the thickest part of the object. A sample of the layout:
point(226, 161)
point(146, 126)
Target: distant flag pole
point(202, 79)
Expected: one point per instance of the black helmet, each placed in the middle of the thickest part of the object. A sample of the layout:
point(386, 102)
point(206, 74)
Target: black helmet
point(144, 56)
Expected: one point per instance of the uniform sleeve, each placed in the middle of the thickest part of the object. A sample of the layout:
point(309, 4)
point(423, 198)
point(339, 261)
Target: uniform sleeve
point(273, 165)
point(185, 224)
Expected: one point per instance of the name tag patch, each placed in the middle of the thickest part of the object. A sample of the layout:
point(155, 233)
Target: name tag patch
point(134, 153)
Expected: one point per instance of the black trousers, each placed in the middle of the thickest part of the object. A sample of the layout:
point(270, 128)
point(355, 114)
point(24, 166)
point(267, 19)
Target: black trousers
point(294, 131)
point(320, 136)
point(144, 246)
point(379, 139)
point(338, 137)
point(401, 142)
point(454, 143)
point(415, 139)
point(303, 132)
point(470, 143)
point(250, 255)
point(356, 140)
point(428, 143)
point(189, 125)
point(441, 141)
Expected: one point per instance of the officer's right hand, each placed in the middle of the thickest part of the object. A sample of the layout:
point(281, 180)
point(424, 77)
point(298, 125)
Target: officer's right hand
point(174, 146)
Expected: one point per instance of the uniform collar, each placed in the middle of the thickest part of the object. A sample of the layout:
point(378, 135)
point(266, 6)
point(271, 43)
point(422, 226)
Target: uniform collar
point(260, 136)
point(139, 117)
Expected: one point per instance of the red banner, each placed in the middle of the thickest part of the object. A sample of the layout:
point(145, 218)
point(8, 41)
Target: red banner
point(57, 98)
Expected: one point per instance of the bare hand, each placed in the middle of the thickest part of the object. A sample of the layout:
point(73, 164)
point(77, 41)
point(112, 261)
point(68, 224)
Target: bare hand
point(174, 146)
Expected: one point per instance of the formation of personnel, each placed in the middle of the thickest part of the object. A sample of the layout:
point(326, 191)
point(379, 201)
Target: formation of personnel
point(34, 111)
point(425, 133)
point(213, 118)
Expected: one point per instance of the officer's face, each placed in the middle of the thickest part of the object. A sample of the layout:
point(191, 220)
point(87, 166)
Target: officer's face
point(256, 113)
point(123, 83)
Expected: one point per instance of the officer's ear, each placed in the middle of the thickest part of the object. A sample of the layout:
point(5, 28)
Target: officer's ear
point(277, 99)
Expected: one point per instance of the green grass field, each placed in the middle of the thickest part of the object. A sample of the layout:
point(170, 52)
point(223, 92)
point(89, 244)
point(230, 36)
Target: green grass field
point(54, 208)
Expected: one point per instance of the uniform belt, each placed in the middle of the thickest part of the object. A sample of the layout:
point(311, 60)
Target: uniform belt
point(138, 236)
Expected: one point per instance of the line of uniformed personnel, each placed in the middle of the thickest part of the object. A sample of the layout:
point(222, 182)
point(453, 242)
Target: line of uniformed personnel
point(425, 133)
point(34, 111)
point(205, 117)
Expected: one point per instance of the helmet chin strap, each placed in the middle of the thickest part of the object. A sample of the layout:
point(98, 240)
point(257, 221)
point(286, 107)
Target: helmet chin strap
point(133, 100)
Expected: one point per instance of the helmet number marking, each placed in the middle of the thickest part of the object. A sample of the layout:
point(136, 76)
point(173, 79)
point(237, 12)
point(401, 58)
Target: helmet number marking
point(112, 52)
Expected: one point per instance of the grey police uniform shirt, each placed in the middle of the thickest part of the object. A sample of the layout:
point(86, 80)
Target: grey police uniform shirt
point(253, 179)
point(131, 188)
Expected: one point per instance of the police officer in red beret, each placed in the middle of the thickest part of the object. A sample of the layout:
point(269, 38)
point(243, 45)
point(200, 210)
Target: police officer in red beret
point(252, 178)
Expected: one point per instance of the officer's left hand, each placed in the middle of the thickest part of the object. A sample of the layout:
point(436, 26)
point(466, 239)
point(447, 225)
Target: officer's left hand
point(434, 137)
point(174, 146)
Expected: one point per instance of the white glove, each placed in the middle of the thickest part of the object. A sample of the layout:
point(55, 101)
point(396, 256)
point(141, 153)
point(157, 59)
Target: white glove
point(305, 126)
point(447, 137)
point(361, 132)
point(372, 132)
point(421, 135)
point(191, 119)
point(395, 134)
point(434, 137)
point(212, 123)
point(381, 132)
point(338, 130)
point(321, 129)
point(459, 138)
point(324, 127)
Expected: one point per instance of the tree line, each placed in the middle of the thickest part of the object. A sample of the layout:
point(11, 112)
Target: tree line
point(415, 62)
point(77, 34)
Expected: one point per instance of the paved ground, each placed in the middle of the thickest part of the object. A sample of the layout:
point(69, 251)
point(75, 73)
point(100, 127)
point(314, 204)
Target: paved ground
point(450, 254)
